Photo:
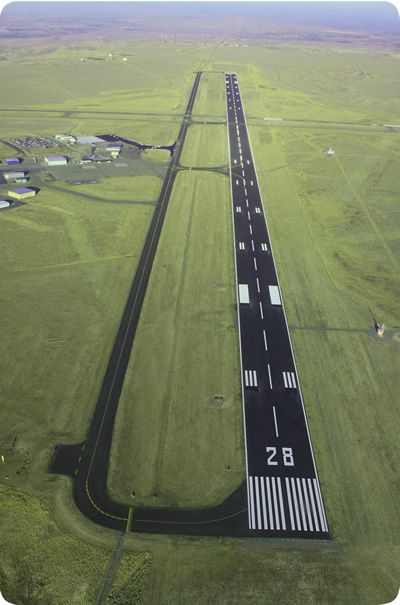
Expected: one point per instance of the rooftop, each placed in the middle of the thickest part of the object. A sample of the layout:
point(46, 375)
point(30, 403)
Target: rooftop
point(21, 190)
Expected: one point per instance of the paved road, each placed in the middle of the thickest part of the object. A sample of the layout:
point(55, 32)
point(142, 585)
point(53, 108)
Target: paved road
point(284, 497)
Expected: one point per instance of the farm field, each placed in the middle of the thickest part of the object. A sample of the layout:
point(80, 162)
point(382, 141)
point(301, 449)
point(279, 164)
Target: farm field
point(66, 269)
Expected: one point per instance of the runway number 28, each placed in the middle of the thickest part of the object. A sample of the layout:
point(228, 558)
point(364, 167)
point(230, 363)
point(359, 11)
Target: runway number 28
point(286, 455)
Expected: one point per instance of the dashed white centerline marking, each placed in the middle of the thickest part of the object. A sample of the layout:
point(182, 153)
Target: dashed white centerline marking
point(269, 375)
point(245, 191)
point(247, 202)
point(255, 263)
point(261, 311)
point(251, 230)
point(265, 340)
point(275, 422)
point(248, 215)
point(258, 286)
point(252, 245)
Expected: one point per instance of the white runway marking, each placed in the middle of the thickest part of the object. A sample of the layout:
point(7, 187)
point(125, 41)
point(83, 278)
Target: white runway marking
point(252, 245)
point(238, 209)
point(252, 525)
point(268, 496)
point(258, 210)
point(265, 340)
point(245, 191)
point(248, 161)
point(251, 230)
point(269, 375)
point(247, 202)
point(264, 247)
point(261, 311)
point(248, 215)
point(275, 422)
point(251, 183)
point(258, 285)
point(241, 246)
point(255, 263)
point(250, 379)
point(289, 380)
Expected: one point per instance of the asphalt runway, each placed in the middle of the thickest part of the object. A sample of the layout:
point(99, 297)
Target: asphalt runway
point(284, 496)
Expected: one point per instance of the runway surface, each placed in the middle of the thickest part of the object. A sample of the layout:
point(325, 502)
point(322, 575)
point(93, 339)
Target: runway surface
point(284, 496)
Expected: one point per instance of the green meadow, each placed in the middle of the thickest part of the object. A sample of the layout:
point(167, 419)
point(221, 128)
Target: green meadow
point(69, 256)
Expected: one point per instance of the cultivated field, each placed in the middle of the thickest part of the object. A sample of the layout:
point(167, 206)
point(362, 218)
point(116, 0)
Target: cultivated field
point(66, 268)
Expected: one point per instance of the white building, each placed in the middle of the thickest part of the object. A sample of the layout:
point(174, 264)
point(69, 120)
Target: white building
point(65, 138)
point(55, 160)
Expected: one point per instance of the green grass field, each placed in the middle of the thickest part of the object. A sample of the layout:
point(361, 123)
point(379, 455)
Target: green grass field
point(188, 448)
point(66, 269)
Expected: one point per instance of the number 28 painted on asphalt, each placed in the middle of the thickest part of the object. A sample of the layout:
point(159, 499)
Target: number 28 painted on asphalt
point(286, 454)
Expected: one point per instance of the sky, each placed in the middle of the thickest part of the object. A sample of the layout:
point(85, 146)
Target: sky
point(351, 14)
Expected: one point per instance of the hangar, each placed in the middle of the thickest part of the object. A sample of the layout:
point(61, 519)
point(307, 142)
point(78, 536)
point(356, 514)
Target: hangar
point(55, 160)
point(22, 193)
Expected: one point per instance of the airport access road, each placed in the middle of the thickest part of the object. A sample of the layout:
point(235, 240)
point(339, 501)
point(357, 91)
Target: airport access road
point(283, 490)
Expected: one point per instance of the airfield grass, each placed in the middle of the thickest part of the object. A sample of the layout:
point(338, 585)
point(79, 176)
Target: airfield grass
point(205, 146)
point(210, 99)
point(155, 78)
point(66, 266)
point(135, 188)
point(187, 445)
